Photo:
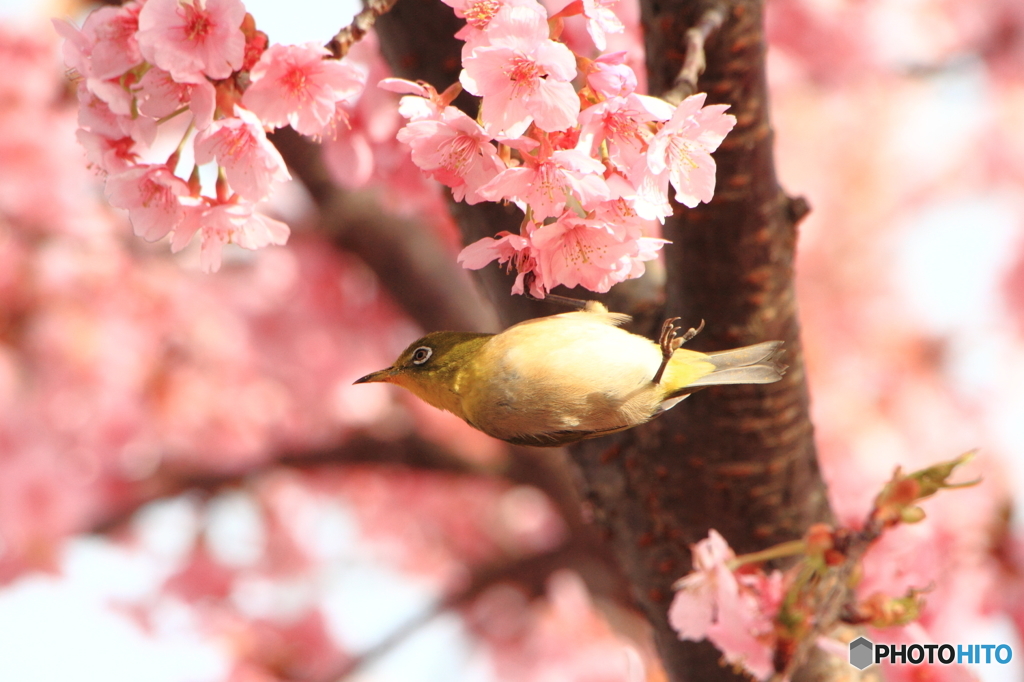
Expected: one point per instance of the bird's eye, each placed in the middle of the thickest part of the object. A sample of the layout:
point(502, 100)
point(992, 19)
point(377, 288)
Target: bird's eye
point(421, 355)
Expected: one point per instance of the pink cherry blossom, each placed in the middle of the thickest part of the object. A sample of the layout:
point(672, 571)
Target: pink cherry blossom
point(479, 13)
point(95, 115)
point(744, 630)
point(522, 76)
point(546, 185)
point(421, 100)
point(242, 149)
point(619, 212)
point(572, 251)
point(113, 93)
point(105, 47)
point(230, 223)
point(601, 20)
point(735, 611)
point(455, 151)
point(513, 249)
point(610, 76)
point(681, 151)
point(152, 196)
point(693, 608)
point(109, 155)
point(620, 121)
point(294, 84)
point(159, 95)
point(193, 39)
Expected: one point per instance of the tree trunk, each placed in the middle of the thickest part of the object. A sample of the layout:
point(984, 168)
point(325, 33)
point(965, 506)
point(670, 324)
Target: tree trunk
point(740, 459)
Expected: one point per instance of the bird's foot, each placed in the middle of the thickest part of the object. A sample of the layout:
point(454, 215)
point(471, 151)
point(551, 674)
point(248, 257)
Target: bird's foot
point(690, 333)
point(669, 342)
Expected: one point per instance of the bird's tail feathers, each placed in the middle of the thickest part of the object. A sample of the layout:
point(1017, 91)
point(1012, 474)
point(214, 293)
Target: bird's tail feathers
point(757, 364)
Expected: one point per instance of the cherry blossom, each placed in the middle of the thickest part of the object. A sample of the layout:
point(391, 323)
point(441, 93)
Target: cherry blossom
point(152, 195)
point(294, 84)
point(735, 612)
point(96, 116)
point(231, 223)
point(455, 151)
point(693, 608)
point(572, 251)
point(158, 380)
point(112, 155)
point(193, 39)
point(601, 20)
point(242, 149)
point(522, 76)
point(610, 76)
point(513, 249)
point(106, 46)
point(477, 13)
point(421, 99)
point(681, 151)
point(547, 184)
point(620, 121)
point(159, 96)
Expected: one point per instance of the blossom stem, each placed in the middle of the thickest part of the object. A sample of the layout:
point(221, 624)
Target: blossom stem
point(171, 115)
point(222, 185)
point(172, 160)
point(785, 549)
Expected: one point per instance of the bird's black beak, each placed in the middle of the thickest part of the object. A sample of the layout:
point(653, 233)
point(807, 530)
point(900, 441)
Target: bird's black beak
point(379, 376)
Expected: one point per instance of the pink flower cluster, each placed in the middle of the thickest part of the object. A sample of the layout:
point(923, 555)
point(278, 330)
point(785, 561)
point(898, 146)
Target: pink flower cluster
point(199, 71)
point(590, 168)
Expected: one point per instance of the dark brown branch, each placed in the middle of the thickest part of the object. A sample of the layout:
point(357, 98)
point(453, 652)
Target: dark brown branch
point(695, 60)
point(344, 39)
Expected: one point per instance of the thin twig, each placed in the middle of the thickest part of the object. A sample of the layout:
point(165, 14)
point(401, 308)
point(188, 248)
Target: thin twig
point(343, 41)
point(694, 61)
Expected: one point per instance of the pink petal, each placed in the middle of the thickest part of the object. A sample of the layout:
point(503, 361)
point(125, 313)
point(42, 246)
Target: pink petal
point(554, 106)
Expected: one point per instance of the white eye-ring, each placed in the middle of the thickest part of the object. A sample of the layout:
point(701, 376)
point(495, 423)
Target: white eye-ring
point(421, 355)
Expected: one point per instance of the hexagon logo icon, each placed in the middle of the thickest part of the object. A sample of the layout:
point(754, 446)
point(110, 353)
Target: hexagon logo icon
point(861, 650)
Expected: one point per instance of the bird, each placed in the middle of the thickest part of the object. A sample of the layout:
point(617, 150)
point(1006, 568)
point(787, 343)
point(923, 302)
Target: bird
point(563, 378)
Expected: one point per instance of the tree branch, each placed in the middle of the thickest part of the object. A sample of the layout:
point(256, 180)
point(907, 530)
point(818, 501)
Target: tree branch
point(344, 39)
point(695, 60)
point(418, 270)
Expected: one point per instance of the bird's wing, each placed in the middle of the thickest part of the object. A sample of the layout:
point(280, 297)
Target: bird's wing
point(595, 311)
point(554, 439)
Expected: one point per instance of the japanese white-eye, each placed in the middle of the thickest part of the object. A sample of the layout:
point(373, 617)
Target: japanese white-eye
point(559, 379)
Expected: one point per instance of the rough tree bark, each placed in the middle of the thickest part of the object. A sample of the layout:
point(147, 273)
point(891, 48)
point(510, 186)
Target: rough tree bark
point(739, 459)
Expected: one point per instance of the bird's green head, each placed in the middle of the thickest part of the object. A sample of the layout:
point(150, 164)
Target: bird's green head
point(429, 367)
